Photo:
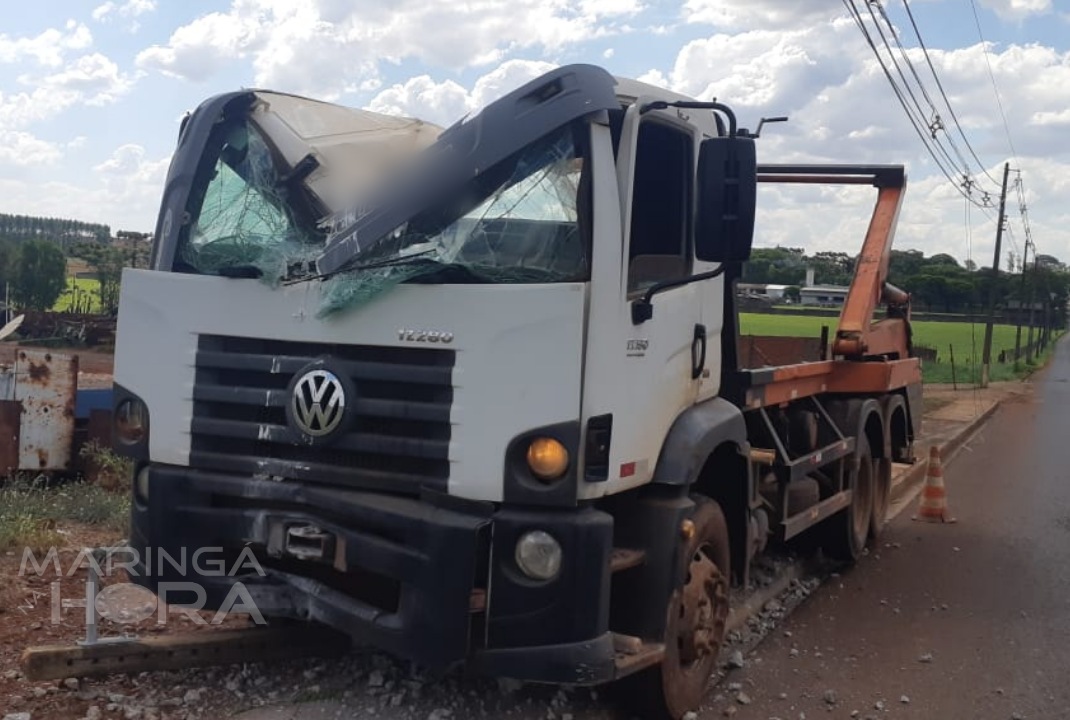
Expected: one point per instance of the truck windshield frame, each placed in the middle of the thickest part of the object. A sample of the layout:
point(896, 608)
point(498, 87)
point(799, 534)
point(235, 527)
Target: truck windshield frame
point(523, 220)
point(240, 210)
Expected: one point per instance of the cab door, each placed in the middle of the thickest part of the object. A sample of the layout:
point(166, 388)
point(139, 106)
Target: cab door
point(652, 369)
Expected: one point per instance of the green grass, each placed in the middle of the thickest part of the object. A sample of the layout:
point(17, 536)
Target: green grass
point(30, 510)
point(967, 340)
point(81, 289)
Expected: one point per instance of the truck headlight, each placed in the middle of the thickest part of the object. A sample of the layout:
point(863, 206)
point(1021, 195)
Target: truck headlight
point(131, 421)
point(538, 555)
point(547, 458)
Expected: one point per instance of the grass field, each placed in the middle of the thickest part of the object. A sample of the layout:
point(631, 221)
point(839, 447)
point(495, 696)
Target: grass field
point(80, 290)
point(967, 340)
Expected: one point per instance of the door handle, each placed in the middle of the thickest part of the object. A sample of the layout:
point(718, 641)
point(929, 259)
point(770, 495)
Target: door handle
point(698, 352)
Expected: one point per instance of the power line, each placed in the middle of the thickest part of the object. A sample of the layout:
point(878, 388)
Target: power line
point(992, 77)
point(921, 126)
point(940, 87)
point(1023, 209)
point(937, 122)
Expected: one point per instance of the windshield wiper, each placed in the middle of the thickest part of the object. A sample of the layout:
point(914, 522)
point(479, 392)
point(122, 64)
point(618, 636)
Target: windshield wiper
point(393, 261)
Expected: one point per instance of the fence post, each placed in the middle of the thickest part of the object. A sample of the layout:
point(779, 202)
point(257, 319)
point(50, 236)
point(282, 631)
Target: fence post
point(954, 382)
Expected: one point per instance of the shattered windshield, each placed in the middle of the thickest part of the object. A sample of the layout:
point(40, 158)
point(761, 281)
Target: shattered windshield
point(243, 219)
point(518, 222)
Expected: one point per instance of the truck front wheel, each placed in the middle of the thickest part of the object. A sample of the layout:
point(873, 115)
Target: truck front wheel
point(695, 625)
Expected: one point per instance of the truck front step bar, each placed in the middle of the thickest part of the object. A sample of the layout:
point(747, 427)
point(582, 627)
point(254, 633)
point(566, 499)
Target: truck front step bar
point(176, 652)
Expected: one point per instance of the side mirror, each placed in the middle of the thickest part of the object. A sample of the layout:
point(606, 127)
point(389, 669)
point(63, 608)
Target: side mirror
point(727, 192)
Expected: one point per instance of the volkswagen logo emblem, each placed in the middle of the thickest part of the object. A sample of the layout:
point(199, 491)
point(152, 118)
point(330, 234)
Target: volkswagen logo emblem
point(317, 403)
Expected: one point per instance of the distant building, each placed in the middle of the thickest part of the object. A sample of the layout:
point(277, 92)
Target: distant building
point(765, 290)
point(823, 295)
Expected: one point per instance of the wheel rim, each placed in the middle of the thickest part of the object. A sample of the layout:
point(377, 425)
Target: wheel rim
point(703, 611)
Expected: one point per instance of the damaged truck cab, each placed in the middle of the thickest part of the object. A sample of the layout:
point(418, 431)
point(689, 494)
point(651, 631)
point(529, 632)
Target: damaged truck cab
point(472, 396)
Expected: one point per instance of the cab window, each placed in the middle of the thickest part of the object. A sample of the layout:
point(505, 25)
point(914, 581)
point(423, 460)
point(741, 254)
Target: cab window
point(660, 247)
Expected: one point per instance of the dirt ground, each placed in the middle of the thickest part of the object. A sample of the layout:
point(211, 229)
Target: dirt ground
point(943, 402)
point(28, 618)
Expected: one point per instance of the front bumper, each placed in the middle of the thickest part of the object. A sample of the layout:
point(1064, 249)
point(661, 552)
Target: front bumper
point(431, 579)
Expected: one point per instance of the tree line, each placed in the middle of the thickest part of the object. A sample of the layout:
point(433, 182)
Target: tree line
point(63, 231)
point(937, 283)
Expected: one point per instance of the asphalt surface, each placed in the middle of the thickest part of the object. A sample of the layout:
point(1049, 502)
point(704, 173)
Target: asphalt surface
point(966, 620)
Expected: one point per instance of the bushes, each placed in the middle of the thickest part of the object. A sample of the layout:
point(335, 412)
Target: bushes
point(32, 510)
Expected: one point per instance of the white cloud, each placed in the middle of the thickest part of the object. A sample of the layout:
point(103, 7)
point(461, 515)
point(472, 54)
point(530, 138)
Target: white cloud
point(87, 80)
point(1018, 9)
point(125, 161)
point(46, 48)
point(1052, 117)
point(21, 148)
point(123, 191)
point(609, 8)
point(129, 9)
point(760, 14)
point(197, 50)
point(447, 101)
point(326, 47)
point(102, 11)
point(18, 110)
point(654, 77)
point(424, 98)
point(95, 78)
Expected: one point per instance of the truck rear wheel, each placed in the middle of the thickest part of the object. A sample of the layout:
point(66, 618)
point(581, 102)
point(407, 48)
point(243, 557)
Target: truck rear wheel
point(882, 492)
point(695, 624)
point(848, 530)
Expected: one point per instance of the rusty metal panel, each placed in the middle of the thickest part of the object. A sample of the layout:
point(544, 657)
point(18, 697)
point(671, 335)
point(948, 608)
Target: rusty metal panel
point(46, 385)
point(10, 416)
point(757, 351)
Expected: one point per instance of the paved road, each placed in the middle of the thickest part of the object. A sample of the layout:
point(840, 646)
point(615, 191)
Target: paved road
point(988, 598)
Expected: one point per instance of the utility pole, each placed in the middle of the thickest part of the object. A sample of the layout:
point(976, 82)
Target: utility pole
point(1021, 306)
point(986, 357)
point(1032, 299)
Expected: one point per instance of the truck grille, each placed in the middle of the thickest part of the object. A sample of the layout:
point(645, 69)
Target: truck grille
point(398, 440)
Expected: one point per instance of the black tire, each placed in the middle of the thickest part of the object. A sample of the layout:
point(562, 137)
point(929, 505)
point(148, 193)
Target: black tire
point(882, 494)
point(695, 626)
point(848, 530)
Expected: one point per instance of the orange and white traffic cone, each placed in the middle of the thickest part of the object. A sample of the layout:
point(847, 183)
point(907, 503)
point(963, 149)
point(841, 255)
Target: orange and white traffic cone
point(933, 504)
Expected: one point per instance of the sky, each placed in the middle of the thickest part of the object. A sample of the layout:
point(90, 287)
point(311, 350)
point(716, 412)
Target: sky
point(92, 91)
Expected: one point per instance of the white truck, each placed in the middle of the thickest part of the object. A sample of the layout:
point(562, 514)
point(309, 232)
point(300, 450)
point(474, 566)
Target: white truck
point(473, 396)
